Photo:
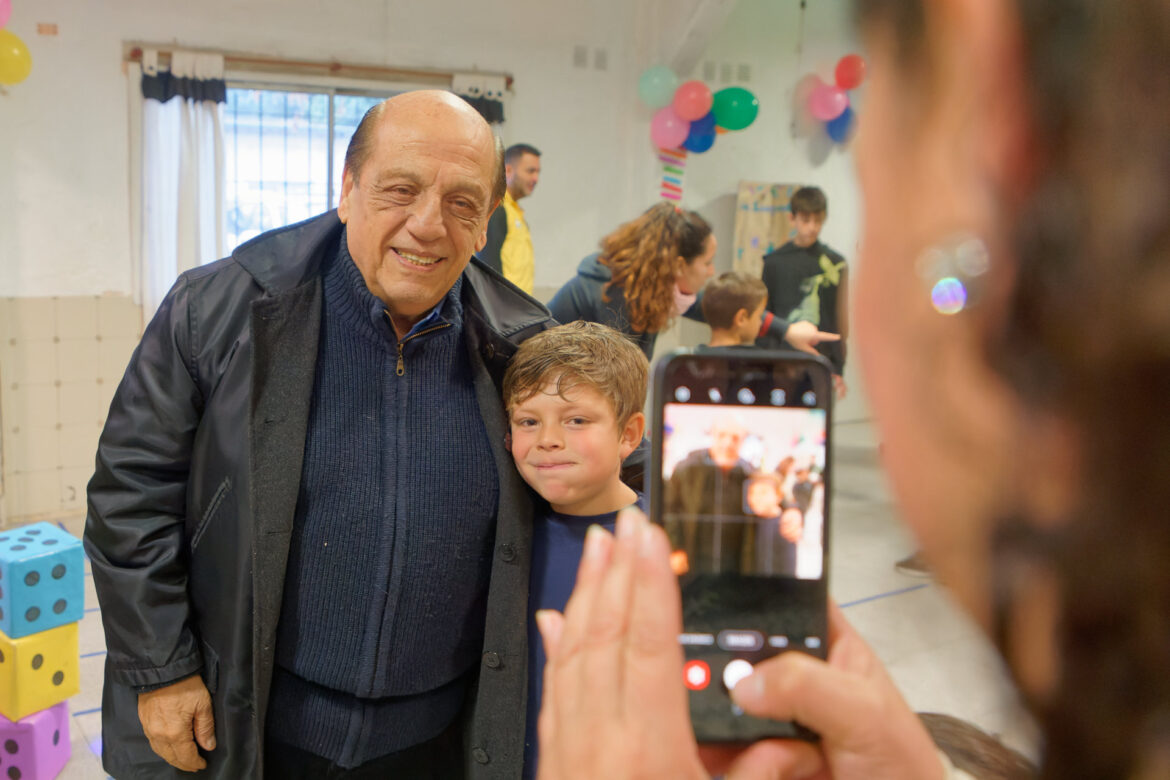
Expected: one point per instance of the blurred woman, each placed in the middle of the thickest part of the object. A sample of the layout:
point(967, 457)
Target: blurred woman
point(649, 271)
point(1015, 336)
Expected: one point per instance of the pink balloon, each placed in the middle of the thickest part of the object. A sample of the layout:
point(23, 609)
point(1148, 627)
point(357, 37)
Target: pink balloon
point(692, 100)
point(668, 130)
point(5, 11)
point(827, 102)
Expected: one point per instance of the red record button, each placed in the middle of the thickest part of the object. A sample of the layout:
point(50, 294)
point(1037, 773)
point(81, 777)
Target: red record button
point(696, 675)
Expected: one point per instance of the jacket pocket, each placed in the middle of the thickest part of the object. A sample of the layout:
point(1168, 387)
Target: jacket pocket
point(213, 506)
point(210, 668)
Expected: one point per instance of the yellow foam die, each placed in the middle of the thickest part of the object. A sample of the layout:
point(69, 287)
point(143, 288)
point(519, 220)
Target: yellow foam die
point(38, 670)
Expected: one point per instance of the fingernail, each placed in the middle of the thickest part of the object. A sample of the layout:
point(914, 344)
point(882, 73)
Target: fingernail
point(646, 540)
point(627, 525)
point(594, 538)
point(749, 690)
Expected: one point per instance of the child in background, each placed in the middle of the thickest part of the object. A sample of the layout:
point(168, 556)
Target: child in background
point(807, 280)
point(574, 396)
point(733, 305)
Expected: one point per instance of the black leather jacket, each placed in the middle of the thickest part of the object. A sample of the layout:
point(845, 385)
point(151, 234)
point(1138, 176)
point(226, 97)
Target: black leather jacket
point(192, 502)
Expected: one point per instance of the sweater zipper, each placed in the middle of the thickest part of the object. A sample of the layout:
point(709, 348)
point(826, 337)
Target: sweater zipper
point(401, 360)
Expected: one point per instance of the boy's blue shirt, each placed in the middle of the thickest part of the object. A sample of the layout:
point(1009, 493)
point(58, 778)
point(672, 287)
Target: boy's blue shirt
point(557, 543)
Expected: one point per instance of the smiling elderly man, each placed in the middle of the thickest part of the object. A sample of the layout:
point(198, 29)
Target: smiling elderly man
point(302, 494)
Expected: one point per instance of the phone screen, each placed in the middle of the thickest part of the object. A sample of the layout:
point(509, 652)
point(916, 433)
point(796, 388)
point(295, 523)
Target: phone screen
point(740, 480)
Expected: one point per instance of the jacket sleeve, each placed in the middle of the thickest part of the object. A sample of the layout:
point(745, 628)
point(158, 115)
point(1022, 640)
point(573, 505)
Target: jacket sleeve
point(497, 231)
point(566, 306)
point(134, 532)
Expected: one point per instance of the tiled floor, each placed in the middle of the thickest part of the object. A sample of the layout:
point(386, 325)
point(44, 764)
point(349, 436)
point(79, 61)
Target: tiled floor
point(936, 655)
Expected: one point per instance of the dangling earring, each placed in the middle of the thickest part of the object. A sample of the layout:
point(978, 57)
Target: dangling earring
point(953, 272)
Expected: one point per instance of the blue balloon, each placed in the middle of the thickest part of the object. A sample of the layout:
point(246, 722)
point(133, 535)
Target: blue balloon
point(702, 134)
point(841, 128)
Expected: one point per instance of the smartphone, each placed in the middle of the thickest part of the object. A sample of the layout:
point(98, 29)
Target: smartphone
point(740, 479)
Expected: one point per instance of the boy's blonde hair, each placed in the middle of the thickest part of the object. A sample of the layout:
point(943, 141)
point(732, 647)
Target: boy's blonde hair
point(580, 353)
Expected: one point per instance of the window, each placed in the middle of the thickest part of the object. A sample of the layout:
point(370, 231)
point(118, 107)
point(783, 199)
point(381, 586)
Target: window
point(284, 151)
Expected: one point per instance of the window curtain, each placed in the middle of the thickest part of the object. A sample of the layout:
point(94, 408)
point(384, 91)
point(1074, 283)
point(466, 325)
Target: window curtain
point(180, 178)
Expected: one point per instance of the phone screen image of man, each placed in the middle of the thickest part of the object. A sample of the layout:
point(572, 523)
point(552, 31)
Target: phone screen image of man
point(743, 489)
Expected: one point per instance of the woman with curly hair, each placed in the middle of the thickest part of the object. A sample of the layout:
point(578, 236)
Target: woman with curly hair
point(649, 271)
point(1014, 330)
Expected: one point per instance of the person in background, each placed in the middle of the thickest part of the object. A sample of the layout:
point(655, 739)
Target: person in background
point(574, 396)
point(649, 271)
point(733, 305)
point(807, 280)
point(509, 244)
point(1015, 342)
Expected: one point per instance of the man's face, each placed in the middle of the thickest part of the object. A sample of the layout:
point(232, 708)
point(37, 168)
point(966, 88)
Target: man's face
point(570, 448)
point(808, 227)
point(726, 438)
point(418, 208)
point(522, 175)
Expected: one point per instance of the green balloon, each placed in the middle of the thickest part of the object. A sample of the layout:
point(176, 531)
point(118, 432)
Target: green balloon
point(735, 108)
point(657, 85)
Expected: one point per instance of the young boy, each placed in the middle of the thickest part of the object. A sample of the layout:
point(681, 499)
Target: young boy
point(733, 305)
point(806, 280)
point(574, 396)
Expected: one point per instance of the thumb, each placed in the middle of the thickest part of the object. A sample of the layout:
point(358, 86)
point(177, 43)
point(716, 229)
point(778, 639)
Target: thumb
point(205, 724)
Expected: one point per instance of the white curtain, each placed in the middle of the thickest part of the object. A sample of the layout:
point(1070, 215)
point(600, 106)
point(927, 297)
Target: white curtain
point(182, 171)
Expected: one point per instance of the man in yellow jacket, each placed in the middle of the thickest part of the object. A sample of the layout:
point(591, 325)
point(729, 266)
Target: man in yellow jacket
point(509, 244)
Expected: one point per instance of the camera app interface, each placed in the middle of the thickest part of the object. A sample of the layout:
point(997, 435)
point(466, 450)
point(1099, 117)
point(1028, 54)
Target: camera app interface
point(744, 502)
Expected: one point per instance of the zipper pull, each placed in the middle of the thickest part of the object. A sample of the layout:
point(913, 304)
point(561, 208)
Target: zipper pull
point(401, 362)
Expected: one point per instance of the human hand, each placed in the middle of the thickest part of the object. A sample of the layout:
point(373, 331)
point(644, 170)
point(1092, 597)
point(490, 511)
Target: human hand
point(866, 728)
point(614, 703)
point(805, 336)
point(840, 386)
point(170, 716)
point(792, 525)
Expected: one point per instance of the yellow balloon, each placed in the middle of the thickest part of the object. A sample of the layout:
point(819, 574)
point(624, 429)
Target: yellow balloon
point(15, 61)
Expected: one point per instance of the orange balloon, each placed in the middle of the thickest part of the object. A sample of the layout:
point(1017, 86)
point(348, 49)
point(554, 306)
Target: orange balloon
point(850, 71)
point(15, 61)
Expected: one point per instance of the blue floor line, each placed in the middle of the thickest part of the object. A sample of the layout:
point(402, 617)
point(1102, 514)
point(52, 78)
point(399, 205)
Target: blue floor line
point(898, 592)
point(93, 609)
point(91, 655)
point(87, 712)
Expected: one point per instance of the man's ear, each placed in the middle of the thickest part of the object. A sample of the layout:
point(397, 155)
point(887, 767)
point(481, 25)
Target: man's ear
point(481, 241)
point(631, 433)
point(347, 183)
point(509, 172)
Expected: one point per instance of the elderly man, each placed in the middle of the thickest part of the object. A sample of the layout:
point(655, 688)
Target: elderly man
point(302, 494)
point(704, 503)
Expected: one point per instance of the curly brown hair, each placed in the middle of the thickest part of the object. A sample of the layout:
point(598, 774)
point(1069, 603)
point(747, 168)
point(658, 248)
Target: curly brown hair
point(1087, 336)
point(642, 254)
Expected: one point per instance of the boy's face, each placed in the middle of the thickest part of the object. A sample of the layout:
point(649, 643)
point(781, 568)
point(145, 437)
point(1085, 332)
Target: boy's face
point(570, 449)
point(808, 227)
point(748, 325)
point(763, 499)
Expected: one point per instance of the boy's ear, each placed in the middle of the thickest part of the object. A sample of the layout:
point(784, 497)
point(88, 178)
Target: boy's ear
point(631, 433)
point(740, 317)
point(508, 441)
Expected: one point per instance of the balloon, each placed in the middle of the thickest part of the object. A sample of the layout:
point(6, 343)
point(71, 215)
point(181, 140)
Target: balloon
point(702, 134)
point(692, 101)
point(5, 11)
point(827, 102)
point(841, 128)
point(735, 108)
point(850, 71)
point(656, 86)
point(15, 61)
point(667, 130)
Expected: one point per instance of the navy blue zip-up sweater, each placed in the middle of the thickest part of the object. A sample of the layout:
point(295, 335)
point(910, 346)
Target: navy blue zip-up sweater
point(385, 594)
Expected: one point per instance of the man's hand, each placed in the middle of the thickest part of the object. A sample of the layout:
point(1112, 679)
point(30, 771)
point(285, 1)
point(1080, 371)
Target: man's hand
point(792, 525)
point(174, 718)
point(805, 336)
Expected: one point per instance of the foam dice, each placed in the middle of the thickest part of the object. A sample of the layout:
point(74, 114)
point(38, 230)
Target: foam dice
point(36, 747)
point(42, 580)
point(38, 671)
